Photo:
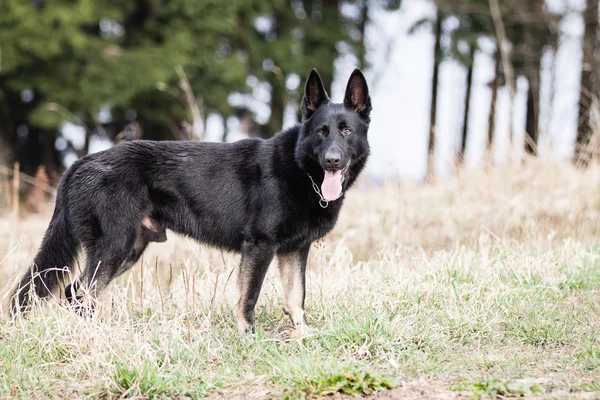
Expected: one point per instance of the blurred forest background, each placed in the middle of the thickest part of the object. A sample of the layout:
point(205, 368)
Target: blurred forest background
point(77, 76)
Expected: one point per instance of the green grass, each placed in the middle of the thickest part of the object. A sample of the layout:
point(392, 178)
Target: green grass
point(498, 388)
point(349, 382)
point(392, 307)
point(368, 333)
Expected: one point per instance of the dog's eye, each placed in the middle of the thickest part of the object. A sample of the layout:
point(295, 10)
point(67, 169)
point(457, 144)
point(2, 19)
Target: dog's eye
point(346, 131)
point(321, 132)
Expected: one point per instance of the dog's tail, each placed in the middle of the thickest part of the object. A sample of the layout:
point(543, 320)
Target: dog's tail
point(57, 252)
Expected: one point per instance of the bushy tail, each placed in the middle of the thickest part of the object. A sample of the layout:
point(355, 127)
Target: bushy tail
point(57, 252)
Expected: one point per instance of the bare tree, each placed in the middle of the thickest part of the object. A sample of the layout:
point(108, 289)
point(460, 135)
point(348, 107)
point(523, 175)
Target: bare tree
point(504, 55)
point(494, 84)
point(588, 84)
point(471, 62)
point(536, 35)
point(437, 59)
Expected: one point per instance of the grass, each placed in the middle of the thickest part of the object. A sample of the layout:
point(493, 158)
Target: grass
point(483, 285)
point(499, 388)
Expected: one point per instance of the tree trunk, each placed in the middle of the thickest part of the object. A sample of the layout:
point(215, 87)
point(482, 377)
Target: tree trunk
point(275, 123)
point(362, 27)
point(533, 57)
point(463, 144)
point(86, 144)
point(331, 12)
point(50, 158)
point(492, 116)
point(437, 59)
point(507, 68)
point(225, 129)
point(531, 119)
point(584, 129)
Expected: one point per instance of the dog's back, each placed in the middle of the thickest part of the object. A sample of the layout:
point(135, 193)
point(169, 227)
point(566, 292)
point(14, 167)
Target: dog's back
point(219, 194)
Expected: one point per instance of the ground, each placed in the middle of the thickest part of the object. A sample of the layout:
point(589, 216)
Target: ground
point(487, 284)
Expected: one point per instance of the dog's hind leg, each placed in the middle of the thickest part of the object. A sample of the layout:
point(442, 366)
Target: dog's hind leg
point(256, 258)
point(108, 257)
point(132, 258)
point(134, 255)
point(292, 269)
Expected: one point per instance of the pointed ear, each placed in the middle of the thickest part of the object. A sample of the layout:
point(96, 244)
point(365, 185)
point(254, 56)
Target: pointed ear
point(314, 95)
point(357, 94)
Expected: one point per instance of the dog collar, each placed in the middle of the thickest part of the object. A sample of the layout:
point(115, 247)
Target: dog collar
point(322, 201)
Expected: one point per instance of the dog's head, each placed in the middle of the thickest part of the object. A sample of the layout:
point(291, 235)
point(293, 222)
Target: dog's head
point(332, 145)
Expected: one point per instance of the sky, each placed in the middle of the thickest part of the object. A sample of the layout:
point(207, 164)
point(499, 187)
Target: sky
point(400, 85)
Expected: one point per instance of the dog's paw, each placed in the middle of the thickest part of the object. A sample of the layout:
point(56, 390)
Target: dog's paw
point(301, 331)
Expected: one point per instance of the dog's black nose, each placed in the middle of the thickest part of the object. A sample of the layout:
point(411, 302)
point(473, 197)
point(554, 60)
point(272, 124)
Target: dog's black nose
point(333, 159)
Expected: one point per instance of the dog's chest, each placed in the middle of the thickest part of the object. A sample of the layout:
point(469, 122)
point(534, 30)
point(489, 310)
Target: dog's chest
point(302, 230)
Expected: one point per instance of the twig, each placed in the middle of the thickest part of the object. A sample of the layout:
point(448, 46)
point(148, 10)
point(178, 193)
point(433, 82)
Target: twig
point(142, 287)
point(212, 300)
point(16, 181)
point(99, 126)
point(197, 121)
point(162, 299)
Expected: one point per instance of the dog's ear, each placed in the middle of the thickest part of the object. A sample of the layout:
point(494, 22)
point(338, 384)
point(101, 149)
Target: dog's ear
point(314, 95)
point(357, 94)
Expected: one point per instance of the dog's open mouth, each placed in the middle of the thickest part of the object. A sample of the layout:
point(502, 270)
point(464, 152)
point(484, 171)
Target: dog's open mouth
point(331, 188)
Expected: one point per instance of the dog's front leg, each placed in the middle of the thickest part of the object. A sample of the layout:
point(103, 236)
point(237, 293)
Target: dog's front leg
point(256, 258)
point(292, 268)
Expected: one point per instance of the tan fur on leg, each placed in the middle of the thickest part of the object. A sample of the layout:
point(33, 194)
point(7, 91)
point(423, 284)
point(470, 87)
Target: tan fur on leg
point(292, 269)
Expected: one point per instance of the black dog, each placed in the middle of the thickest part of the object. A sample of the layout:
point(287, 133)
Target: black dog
point(261, 198)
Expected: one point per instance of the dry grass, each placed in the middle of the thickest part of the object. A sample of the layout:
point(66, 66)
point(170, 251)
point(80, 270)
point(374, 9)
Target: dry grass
point(486, 283)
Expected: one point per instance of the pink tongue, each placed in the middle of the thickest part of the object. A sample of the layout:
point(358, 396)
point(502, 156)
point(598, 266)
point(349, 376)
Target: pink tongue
point(332, 185)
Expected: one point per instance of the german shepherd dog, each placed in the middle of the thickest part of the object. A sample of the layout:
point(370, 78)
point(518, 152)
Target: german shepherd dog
point(260, 198)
